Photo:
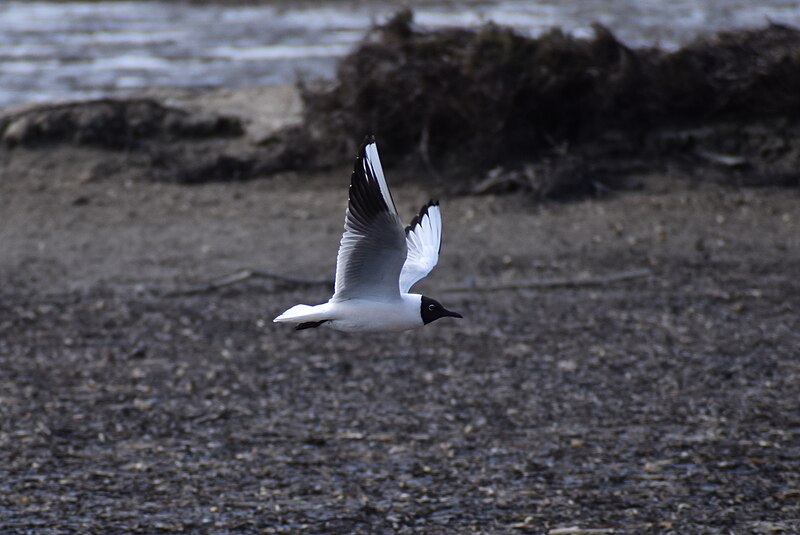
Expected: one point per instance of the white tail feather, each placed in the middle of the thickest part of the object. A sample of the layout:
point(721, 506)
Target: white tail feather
point(302, 313)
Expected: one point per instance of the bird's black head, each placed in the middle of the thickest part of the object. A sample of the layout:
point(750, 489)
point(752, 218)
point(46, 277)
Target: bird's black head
point(432, 310)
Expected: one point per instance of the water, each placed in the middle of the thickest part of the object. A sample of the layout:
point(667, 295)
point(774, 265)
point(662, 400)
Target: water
point(62, 51)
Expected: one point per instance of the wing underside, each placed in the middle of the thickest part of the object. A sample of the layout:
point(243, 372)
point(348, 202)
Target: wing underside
point(423, 241)
point(373, 247)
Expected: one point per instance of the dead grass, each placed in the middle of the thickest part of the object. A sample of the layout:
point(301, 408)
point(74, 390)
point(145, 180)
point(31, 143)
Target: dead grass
point(456, 99)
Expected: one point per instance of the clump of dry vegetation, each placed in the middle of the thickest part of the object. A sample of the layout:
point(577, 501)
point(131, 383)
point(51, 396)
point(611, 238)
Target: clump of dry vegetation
point(556, 110)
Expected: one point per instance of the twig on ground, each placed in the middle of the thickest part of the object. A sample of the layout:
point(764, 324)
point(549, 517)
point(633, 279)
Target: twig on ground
point(552, 283)
point(247, 274)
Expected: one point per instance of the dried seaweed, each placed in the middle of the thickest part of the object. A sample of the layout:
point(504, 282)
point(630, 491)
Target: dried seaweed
point(456, 99)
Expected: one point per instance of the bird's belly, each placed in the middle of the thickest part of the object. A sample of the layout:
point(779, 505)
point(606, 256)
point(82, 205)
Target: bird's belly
point(366, 316)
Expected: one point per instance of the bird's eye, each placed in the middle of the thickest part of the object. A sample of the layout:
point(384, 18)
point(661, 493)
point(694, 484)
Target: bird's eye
point(431, 307)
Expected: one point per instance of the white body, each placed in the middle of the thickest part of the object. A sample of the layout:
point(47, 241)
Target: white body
point(361, 315)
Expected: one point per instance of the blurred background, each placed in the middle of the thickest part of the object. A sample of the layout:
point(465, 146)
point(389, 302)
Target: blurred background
point(620, 189)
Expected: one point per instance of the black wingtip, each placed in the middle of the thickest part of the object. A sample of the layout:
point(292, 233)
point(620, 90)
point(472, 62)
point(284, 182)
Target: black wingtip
point(422, 213)
point(369, 139)
point(366, 199)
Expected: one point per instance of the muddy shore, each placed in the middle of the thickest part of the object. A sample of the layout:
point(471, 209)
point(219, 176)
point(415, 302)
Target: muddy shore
point(635, 369)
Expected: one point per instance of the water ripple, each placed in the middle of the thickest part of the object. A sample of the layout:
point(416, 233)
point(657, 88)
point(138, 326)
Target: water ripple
point(58, 51)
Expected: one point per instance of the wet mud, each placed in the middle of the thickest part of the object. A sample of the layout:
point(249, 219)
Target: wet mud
point(665, 402)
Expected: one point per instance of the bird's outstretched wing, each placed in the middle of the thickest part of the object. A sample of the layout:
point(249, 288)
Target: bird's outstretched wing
point(373, 247)
point(424, 241)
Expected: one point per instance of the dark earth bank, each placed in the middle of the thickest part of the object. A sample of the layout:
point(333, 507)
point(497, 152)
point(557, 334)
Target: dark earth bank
point(484, 110)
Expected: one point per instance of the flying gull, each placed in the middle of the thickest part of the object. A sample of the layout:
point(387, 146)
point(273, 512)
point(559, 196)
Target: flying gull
point(378, 262)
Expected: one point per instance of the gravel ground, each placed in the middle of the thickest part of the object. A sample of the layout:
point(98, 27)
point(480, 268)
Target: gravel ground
point(566, 400)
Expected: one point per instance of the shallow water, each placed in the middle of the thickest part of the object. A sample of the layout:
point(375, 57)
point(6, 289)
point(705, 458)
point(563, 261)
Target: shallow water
point(60, 51)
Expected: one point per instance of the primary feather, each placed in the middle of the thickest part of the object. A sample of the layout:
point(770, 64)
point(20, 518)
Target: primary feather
point(373, 246)
point(423, 241)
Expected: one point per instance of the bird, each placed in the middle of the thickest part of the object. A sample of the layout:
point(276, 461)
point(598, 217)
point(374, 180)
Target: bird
point(378, 261)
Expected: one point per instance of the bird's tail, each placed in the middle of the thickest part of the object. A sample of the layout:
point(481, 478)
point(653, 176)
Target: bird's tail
point(303, 314)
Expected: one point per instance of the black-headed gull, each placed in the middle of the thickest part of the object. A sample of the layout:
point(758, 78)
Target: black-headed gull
point(378, 262)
